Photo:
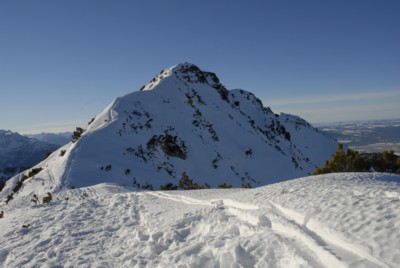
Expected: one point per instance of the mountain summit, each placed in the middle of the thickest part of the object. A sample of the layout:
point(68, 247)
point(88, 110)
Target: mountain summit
point(183, 121)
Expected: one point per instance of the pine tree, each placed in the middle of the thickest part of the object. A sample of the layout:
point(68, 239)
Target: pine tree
point(168, 187)
point(351, 161)
point(186, 183)
point(225, 186)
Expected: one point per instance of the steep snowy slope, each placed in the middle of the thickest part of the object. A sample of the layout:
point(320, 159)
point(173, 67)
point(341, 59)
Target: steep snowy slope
point(336, 220)
point(19, 152)
point(184, 120)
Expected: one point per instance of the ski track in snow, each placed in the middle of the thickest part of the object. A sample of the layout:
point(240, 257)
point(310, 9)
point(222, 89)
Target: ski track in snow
point(111, 226)
point(338, 247)
point(330, 248)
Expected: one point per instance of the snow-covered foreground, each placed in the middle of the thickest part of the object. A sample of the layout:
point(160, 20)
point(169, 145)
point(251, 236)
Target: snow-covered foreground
point(337, 220)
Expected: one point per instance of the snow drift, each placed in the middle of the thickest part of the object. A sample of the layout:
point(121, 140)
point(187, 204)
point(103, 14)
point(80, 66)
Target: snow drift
point(336, 220)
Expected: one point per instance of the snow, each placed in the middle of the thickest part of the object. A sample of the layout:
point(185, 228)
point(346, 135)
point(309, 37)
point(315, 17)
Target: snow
point(335, 220)
point(227, 137)
point(223, 137)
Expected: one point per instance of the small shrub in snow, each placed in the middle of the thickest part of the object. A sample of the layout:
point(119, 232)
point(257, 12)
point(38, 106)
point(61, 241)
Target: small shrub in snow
point(147, 186)
point(47, 155)
point(249, 152)
point(189, 99)
point(2, 184)
point(215, 163)
point(91, 120)
point(77, 134)
point(17, 186)
point(225, 186)
point(168, 187)
point(34, 171)
point(246, 185)
point(47, 199)
point(35, 199)
point(186, 183)
point(9, 198)
point(135, 183)
point(287, 136)
point(252, 122)
point(24, 178)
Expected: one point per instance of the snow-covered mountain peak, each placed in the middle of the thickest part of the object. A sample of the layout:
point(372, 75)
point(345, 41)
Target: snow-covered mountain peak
point(4, 132)
point(184, 121)
point(186, 73)
point(192, 74)
point(9, 139)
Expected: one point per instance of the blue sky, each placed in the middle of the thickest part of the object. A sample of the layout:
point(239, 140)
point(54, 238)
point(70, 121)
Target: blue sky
point(63, 62)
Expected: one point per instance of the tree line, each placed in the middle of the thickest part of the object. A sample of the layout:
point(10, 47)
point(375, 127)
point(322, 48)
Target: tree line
point(353, 161)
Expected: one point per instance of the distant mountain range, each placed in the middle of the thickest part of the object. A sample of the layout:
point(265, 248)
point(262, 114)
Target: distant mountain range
point(183, 122)
point(59, 139)
point(18, 153)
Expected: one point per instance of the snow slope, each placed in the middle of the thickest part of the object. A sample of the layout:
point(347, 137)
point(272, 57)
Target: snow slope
point(184, 120)
point(336, 220)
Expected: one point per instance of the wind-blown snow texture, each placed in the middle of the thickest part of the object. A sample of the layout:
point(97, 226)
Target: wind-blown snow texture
point(184, 120)
point(336, 220)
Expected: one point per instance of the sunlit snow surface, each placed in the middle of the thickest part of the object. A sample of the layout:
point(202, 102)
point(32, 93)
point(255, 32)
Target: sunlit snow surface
point(337, 220)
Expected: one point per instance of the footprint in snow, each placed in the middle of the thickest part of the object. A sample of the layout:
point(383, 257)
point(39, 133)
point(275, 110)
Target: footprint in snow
point(3, 255)
point(218, 204)
point(264, 221)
